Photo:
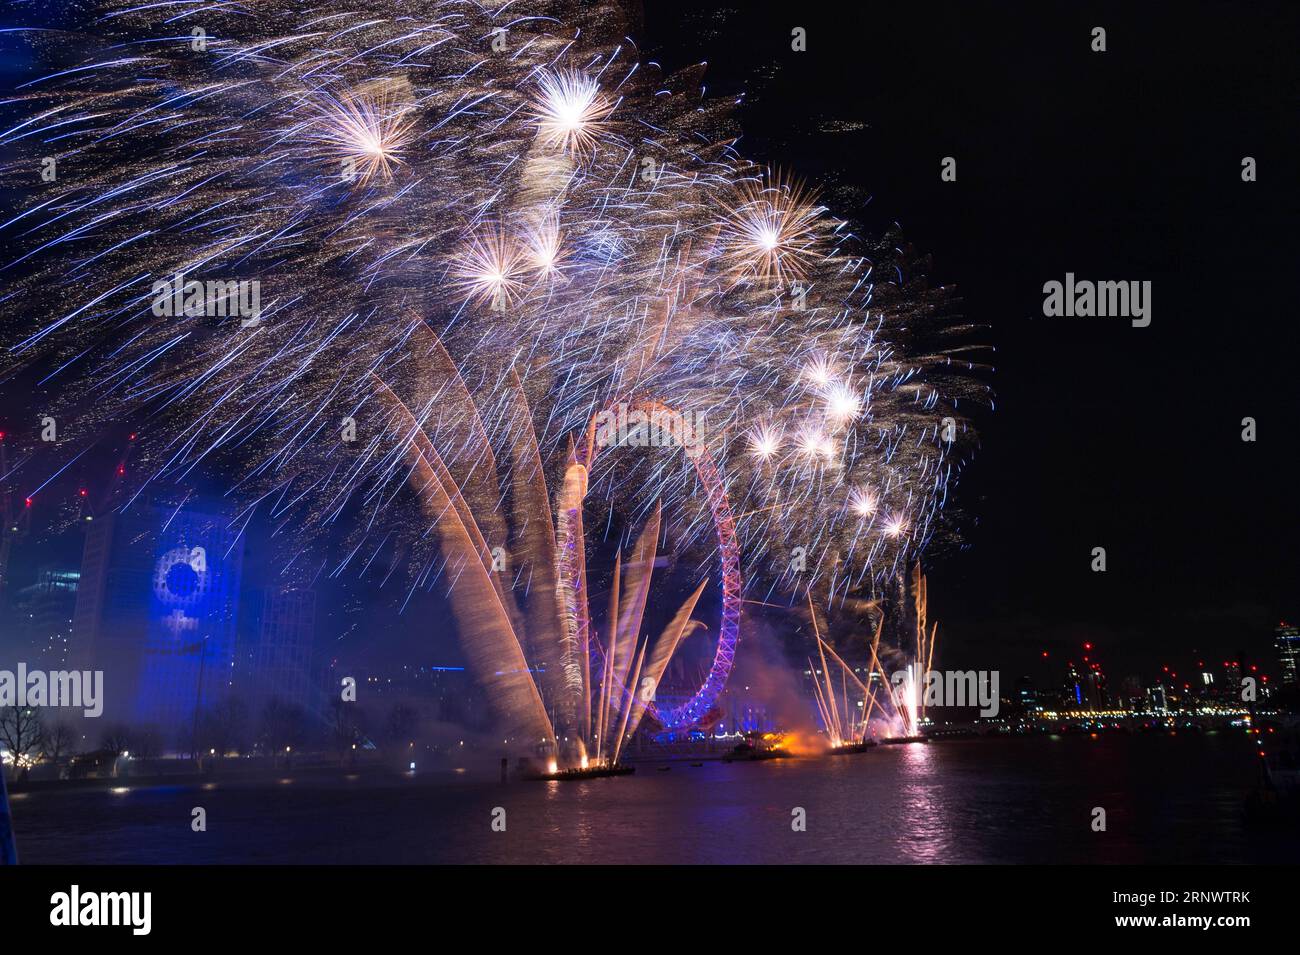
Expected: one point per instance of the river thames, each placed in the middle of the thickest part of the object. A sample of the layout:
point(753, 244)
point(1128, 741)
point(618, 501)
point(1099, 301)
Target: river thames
point(1168, 799)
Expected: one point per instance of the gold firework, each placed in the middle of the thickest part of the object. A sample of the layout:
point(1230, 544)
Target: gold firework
point(570, 111)
point(491, 268)
point(770, 233)
point(366, 129)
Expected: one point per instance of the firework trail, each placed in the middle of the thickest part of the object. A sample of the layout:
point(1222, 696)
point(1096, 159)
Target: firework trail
point(431, 197)
point(561, 713)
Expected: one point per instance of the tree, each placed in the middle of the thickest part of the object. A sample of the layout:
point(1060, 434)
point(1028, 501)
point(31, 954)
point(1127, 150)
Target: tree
point(146, 742)
point(283, 725)
point(57, 742)
point(20, 734)
point(225, 727)
point(345, 727)
point(116, 739)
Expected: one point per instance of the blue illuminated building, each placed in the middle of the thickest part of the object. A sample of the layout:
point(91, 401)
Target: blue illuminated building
point(156, 610)
point(189, 650)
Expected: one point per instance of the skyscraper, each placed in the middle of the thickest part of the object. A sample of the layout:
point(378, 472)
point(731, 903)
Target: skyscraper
point(111, 617)
point(1286, 640)
point(189, 651)
point(156, 611)
point(45, 610)
point(1074, 687)
point(275, 649)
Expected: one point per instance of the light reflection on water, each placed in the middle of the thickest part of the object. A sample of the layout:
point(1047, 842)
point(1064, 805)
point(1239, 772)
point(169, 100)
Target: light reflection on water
point(924, 816)
point(1008, 801)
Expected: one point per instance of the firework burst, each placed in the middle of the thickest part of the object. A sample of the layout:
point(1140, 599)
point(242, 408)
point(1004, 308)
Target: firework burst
point(769, 230)
point(570, 111)
point(365, 132)
point(556, 210)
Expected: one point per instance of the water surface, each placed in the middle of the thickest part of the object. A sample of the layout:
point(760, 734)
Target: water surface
point(1167, 800)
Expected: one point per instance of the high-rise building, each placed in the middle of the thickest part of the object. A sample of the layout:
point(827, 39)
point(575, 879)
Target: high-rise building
point(44, 617)
point(1098, 697)
point(1132, 696)
point(1231, 679)
point(275, 649)
point(156, 611)
point(1286, 640)
point(1026, 696)
point(1075, 693)
point(111, 617)
point(189, 653)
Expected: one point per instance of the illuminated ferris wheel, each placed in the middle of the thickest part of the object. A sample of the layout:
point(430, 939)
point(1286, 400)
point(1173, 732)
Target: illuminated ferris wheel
point(698, 705)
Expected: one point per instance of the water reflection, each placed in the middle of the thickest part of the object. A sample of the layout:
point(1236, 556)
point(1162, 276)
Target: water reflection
point(1007, 801)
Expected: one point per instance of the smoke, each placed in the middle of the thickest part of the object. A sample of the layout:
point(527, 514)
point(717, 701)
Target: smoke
point(765, 673)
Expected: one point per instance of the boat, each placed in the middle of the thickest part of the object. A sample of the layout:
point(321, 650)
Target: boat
point(896, 740)
point(577, 772)
point(757, 746)
point(845, 749)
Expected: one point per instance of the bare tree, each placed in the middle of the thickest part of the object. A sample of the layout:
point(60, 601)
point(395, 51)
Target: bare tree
point(346, 727)
point(284, 725)
point(116, 739)
point(57, 742)
point(225, 726)
point(20, 732)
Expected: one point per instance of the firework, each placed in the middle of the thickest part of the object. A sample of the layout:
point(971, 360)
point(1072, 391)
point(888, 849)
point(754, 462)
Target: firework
point(846, 715)
point(592, 694)
point(570, 110)
point(432, 199)
point(770, 230)
point(366, 131)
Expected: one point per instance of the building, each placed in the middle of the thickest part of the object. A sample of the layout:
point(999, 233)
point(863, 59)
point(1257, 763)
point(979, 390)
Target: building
point(1286, 640)
point(1097, 695)
point(111, 616)
point(156, 610)
point(1132, 695)
point(1231, 689)
point(44, 618)
point(275, 649)
point(1075, 693)
point(1027, 700)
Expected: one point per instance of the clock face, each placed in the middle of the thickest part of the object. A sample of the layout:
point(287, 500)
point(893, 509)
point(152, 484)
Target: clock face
point(180, 577)
point(182, 580)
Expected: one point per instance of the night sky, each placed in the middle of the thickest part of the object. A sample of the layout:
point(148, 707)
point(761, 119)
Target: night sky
point(1123, 165)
